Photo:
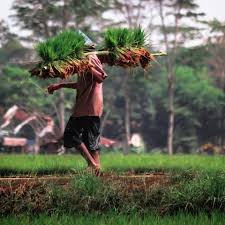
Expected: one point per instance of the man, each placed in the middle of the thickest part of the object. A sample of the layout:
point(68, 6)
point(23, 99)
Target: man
point(83, 128)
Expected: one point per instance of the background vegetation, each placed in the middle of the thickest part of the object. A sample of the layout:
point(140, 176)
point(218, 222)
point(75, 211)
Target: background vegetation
point(140, 103)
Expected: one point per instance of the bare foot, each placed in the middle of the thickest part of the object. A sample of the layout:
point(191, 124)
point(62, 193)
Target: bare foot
point(89, 169)
point(95, 170)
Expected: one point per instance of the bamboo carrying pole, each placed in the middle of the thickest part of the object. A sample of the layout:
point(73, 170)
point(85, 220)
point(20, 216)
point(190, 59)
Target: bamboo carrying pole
point(107, 52)
point(85, 54)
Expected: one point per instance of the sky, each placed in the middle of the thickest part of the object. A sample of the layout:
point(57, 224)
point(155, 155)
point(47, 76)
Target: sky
point(212, 9)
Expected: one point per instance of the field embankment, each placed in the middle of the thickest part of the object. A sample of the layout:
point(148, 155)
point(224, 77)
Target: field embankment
point(134, 183)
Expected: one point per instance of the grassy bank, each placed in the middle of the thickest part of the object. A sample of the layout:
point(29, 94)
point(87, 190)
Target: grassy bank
point(189, 193)
point(119, 219)
point(197, 185)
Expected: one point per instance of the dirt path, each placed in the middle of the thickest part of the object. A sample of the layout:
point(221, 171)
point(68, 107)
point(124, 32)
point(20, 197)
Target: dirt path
point(128, 181)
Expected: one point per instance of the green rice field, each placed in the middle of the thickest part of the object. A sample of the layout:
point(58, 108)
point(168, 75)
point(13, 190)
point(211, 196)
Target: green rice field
point(51, 164)
point(183, 189)
point(112, 219)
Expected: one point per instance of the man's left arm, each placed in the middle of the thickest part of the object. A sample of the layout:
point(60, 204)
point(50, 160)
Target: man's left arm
point(54, 87)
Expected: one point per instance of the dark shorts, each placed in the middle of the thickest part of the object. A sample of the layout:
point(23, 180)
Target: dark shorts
point(84, 129)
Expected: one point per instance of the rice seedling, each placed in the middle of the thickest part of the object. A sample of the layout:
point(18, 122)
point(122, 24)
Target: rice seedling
point(124, 38)
point(126, 48)
point(64, 46)
point(67, 54)
point(61, 55)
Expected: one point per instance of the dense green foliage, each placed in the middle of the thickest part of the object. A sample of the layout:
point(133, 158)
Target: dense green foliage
point(198, 102)
point(197, 105)
point(17, 87)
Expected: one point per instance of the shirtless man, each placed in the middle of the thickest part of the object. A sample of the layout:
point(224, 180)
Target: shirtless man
point(83, 128)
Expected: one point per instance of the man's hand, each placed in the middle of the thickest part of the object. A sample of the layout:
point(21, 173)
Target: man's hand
point(53, 87)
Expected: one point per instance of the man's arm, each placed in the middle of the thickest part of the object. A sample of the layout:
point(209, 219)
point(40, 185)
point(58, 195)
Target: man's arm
point(99, 76)
point(53, 87)
point(96, 69)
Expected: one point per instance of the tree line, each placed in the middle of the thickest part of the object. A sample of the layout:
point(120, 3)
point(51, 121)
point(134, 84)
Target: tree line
point(176, 105)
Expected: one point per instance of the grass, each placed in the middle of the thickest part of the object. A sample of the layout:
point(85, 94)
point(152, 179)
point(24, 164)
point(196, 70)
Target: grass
point(48, 164)
point(112, 218)
point(89, 194)
point(197, 185)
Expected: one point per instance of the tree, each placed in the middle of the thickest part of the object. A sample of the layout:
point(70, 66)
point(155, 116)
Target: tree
point(195, 103)
point(45, 18)
point(216, 43)
point(172, 37)
point(6, 35)
point(16, 88)
point(130, 14)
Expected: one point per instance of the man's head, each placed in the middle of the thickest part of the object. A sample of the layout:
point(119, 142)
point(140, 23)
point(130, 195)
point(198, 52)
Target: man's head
point(88, 42)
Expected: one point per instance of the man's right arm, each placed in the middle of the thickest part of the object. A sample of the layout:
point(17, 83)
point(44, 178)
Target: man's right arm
point(96, 69)
point(54, 87)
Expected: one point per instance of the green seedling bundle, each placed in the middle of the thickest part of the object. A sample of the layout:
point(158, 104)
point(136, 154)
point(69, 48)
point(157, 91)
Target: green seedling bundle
point(67, 53)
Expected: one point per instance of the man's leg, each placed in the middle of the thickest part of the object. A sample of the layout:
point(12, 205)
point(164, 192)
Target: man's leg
point(87, 156)
point(86, 159)
point(90, 137)
point(72, 138)
point(96, 157)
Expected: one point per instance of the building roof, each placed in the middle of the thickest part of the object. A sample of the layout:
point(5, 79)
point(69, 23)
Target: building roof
point(14, 142)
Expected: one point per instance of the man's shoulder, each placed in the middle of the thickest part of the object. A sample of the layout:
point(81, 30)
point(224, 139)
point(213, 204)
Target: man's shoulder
point(94, 60)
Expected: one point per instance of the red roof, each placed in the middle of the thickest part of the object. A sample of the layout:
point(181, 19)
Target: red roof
point(107, 142)
point(13, 142)
point(21, 115)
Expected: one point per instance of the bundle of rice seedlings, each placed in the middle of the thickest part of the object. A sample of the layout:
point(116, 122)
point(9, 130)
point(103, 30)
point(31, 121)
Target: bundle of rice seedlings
point(66, 53)
point(61, 55)
point(126, 48)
